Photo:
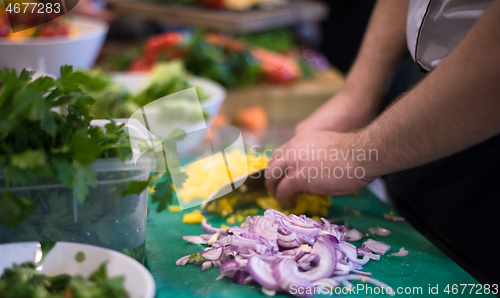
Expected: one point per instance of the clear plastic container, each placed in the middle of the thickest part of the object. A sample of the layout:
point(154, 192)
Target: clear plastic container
point(105, 219)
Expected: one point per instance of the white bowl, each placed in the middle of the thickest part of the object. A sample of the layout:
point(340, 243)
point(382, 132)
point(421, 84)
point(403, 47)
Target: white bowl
point(139, 283)
point(48, 54)
point(135, 82)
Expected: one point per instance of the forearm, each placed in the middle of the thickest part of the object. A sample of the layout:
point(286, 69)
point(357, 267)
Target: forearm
point(382, 49)
point(454, 107)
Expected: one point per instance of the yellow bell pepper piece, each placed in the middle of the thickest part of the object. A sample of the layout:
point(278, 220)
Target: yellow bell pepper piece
point(231, 220)
point(174, 208)
point(194, 217)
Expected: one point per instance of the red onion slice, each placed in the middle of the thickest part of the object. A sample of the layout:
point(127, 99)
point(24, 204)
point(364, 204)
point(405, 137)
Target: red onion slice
point(195, 239)
point(287, 275)
point(354, 235)
point(262, 273)
point(393, 218)
point(209, 229)
point(328, 260)
point(401, 253)
point(376, 246)
point(205, 265)
point(212, 254)
point(387, 288)
point(182, 261)
point(379, 231)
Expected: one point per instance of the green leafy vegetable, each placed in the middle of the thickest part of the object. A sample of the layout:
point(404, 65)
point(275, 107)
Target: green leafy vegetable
point(276, 40)
point(196, 257)
point(80, 257)
point(46, 246)
point(24, 281)
point(114, 100)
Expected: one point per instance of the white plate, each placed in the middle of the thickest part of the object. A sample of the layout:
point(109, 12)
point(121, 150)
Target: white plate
point(139, 283)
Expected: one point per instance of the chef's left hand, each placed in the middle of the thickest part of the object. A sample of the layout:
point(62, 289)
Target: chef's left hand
point(319, 162)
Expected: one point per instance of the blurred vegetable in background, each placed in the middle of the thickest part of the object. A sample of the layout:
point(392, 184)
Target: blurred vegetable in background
point(234, 63)
point(115, 101)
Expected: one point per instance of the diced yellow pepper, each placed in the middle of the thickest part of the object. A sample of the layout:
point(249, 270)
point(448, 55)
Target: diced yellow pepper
point(242, 224)
point(211, 207)
point(300, 205)
point(194, 217)
point(152, 189)
point(313, 204)
point(251, 211)
point(323, 212)
point(231, 220)
point(325, 200)
point(174, 208)
point(267, 202)
point(224, 227)
point(240, 218)
point(316, 218)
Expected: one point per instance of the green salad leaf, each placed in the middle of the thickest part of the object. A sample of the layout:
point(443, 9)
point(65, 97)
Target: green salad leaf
point(24, 281)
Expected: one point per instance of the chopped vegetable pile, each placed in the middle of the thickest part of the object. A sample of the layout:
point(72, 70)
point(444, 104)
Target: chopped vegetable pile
point(283, 253)
point(24, 281)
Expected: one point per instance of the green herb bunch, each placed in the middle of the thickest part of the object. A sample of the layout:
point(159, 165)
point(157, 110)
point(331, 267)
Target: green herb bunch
point(36, 143)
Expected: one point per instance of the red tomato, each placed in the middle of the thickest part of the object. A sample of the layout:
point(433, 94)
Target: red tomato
point(141, 64)
point(162, 41)
point(277, 68)
point(54, 30)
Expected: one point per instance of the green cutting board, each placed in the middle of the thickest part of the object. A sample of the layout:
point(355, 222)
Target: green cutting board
point(422, 270)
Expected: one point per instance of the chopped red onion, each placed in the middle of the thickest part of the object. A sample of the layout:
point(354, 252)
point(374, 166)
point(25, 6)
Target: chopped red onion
point(212, 254)
point(401, 253)
point(377, 283)
point(393, 218)
point(209, 229)
point(195, 239)
point(376, 246)
point(278, 251)
point(261, 271)
point(379, 231)
point(205, 265)
point(182, 261)
point(354, 235)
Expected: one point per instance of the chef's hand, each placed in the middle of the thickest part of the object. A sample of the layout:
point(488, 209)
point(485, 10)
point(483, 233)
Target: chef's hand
point(319, 162)
point(348, 110)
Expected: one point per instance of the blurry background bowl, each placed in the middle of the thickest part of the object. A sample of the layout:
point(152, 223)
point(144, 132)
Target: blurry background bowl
point(139, 283)
point(135, 82)
point(48, 54)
